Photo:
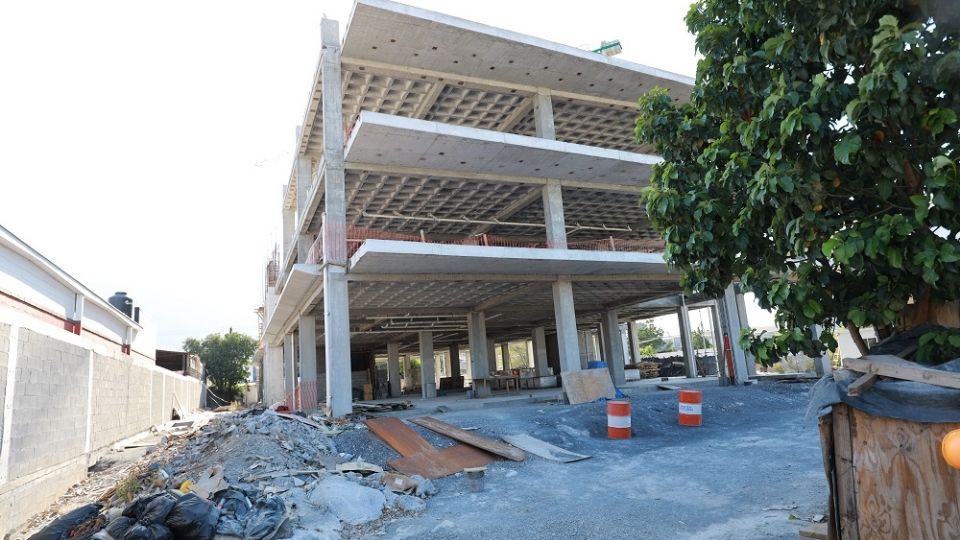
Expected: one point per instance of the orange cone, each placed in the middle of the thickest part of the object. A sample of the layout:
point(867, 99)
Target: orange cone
point(951, 448)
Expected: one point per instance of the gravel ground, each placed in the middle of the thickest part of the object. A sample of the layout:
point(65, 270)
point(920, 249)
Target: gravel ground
point(755, 462)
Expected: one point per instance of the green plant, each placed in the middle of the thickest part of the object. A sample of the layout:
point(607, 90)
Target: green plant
point(816, 161)
point(225, 359)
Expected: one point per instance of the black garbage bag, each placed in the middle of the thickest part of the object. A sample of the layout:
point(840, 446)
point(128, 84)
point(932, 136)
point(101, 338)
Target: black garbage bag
point(151, 531)
point(63, 527)
point(151, 509)
point(193, 518)
point(267, 516)
point(117, 528)
point(234, 506)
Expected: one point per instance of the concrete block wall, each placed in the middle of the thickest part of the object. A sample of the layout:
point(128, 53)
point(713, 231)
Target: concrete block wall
point(64, 401)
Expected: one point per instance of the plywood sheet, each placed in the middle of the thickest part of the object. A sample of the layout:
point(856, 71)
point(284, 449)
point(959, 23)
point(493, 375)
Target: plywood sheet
point(588, 385)
point(457, 434)
point(904, 487)
point(442, 461)
point(399, 436)
point(543, 449)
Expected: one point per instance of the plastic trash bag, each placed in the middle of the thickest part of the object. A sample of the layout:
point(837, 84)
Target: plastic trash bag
point(153, 531)
point(267, 516)
point(151, 509)
point(193, 518)
point(63, 527)
point(234, 507)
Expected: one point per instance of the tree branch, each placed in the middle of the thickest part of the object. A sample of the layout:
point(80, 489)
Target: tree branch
point(857, 338)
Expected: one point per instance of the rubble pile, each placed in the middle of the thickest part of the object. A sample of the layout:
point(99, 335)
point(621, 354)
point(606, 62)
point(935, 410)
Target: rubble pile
point(252, 475)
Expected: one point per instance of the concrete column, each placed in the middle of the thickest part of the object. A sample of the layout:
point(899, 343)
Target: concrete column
point(686, 341)
point(566, 319)
point(745, 323)
point(407, 372)
point(289, 370)
point(336, 309)
point(454, 359)
point(821, 364)
point(718, 344)
point(634, 341)
point(505, 354)
point(477, 335)
point(289, 224)
point(553, 215)
point(613, 347)
point(540, 352)
point(304, 181)
point(273, 381)
point(741, 372)
point(491, 355)
point(393, 369)
point(428, 366)
point(543, 116)
point(307, 331)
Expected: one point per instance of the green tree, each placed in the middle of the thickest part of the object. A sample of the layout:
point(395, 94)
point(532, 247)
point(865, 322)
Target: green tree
point(650, 339)
point(225, 358)
point(817, 160)
point(700, 341)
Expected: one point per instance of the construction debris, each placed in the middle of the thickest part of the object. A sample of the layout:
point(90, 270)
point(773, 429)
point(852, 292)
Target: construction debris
point(588, 385)
point(543, 449)
point(455, 433)
point(419, 456)
point(199, 485)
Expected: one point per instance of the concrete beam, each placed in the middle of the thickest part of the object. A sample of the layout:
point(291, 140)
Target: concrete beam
point(428, 367)
point(508, 278)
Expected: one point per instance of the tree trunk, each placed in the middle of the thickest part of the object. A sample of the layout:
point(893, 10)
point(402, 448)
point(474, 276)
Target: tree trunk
point(857, 338)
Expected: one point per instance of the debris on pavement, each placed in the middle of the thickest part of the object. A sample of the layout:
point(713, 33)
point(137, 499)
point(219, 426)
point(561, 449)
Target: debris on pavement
point(251, 475)
point(543, 449)
point(483, 443)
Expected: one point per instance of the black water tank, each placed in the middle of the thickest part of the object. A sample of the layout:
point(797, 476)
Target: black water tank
point(121, 301)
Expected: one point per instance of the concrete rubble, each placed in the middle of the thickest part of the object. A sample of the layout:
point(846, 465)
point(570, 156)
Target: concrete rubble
point(258, 474)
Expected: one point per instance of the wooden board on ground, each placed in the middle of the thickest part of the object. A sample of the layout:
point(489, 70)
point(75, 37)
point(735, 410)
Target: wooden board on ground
point(455, 433)
point(543, 449)
point(888, 365)
point(588, 385)
point(667, 387)
point(441, 461)
point(815, 530)
point(382, 407)
point(399, 436)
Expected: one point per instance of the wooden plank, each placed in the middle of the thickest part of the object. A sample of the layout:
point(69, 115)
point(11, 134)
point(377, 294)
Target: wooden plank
point(441, 461)
point(829, 469)
point(543, 449)
point(905, 489)
point(455, 433)
point(845, 473)
point(399, 436)
point(588, 385)
point(898, 368)
point(815, 530)
point(667, 387)
point(862, 384)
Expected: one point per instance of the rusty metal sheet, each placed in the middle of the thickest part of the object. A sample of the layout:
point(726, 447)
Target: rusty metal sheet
point(442, 462)
point(457, 434)
point(399, 436)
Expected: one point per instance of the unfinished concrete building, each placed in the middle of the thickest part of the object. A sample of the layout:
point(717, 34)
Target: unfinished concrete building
point(458, 186)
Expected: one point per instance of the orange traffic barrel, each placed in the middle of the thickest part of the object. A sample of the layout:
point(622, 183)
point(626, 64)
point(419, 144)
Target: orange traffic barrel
point(950, 447)
point(690, 401)
point(618, 419)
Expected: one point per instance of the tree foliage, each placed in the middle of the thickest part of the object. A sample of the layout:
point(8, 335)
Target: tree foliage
point(650, 339)
point(816, 160)
point(699, 340)
point(225, 358)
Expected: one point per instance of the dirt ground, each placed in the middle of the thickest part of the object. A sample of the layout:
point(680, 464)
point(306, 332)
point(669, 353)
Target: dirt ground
point(755, 461)
point(749, 472)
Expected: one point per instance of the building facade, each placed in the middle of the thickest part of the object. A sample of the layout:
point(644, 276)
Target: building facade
point(456, 186)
